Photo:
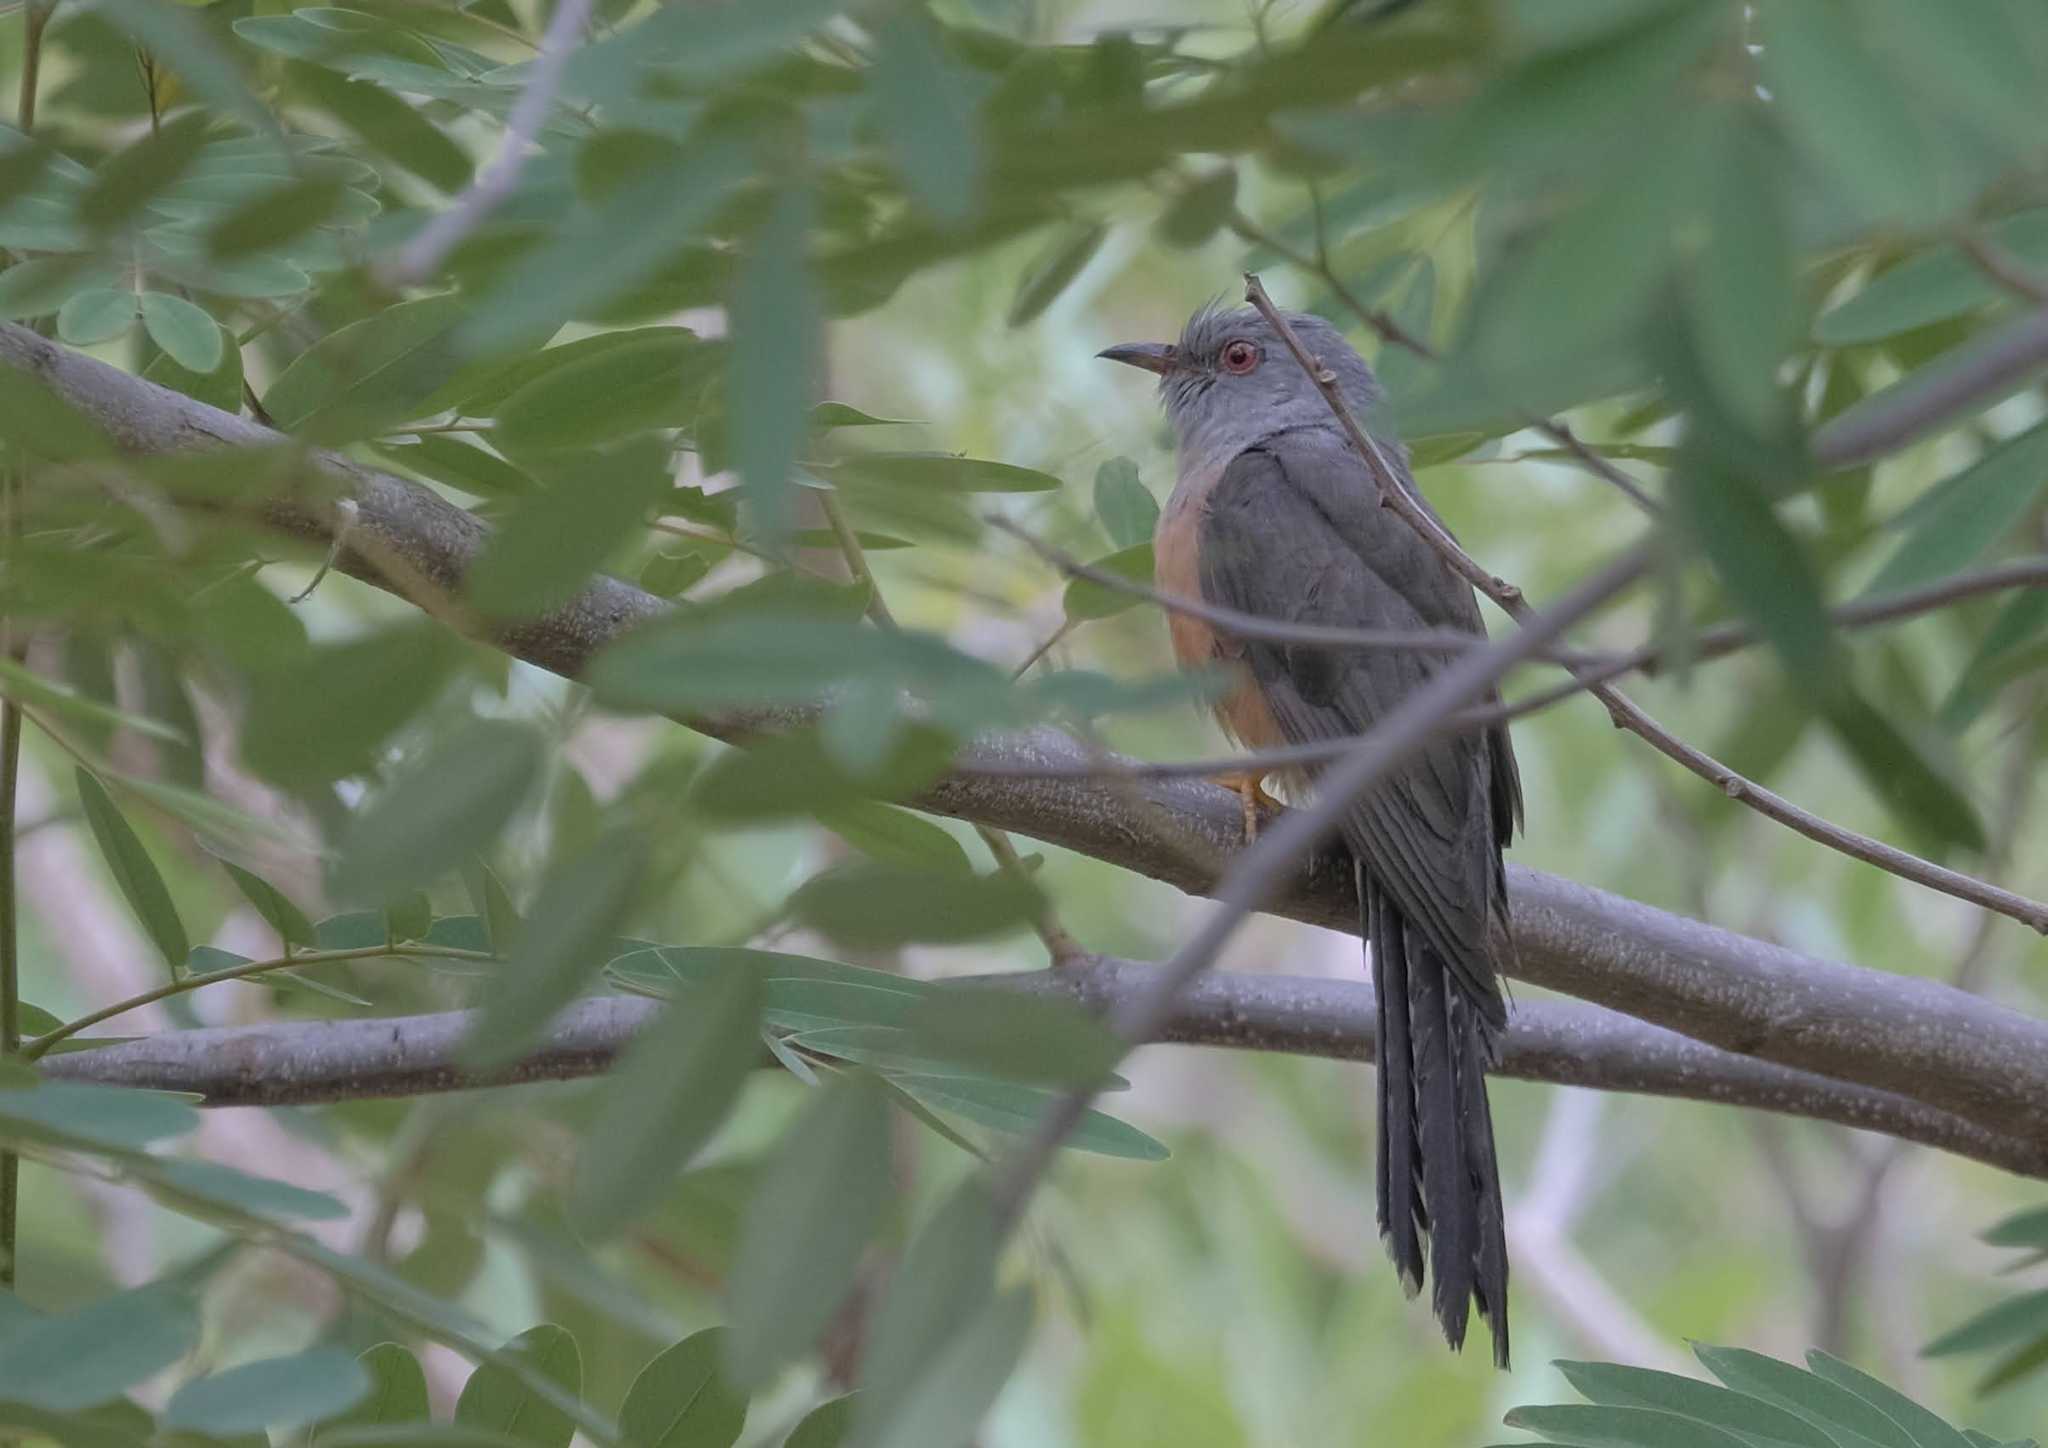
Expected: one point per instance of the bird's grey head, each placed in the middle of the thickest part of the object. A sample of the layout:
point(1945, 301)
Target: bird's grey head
point(1230, 381)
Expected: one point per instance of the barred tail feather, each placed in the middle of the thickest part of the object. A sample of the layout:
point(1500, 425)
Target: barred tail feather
point(1436, 1168)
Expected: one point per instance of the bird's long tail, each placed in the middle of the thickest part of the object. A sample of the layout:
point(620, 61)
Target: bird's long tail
point(1437, 1175)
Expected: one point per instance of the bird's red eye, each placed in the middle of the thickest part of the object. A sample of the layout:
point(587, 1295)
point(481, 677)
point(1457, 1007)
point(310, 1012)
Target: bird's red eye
point(1240, 356)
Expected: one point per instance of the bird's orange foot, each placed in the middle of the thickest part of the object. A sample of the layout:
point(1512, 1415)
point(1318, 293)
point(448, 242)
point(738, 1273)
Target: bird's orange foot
point(1250, 788)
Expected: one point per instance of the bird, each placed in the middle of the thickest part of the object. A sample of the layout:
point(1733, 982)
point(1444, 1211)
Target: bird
point(1275, 512)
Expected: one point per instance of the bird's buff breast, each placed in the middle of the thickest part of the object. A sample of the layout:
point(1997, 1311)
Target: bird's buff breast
point(1176, 572)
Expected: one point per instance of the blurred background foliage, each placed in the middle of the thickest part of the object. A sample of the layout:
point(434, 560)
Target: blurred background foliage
point(917, 226)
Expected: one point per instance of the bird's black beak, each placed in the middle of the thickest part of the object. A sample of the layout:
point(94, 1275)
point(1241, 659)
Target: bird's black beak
point(1152, 356)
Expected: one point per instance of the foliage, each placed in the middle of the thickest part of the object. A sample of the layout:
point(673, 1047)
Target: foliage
point(1722, 238)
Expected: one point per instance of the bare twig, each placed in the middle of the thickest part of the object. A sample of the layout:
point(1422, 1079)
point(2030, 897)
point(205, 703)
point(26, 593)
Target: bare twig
point(1257, 875)
point(1625, 713)
point(419, 257)
point(306, 1062)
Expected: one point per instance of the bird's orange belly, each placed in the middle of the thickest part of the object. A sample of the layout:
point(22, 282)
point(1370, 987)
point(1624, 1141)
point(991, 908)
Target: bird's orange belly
point(1176, 569)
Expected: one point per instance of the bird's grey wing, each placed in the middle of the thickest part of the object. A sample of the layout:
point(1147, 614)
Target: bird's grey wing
point(1293, 531)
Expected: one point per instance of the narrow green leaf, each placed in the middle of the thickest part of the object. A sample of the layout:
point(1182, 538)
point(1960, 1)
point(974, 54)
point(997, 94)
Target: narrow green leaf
point(277, 910)
point(1958, 519)
point(1820, 1402)
point(129, 863)
point(1594, 1426)
point(279, 1392)
point(928, 116)
point(28, 687)
point(273, 218)
point(187, 334)
point(825, 1426)
point(1086, 599)
point(2007, 645)
point(1125, 506)
point(177, 41)
point(1767, 573)
point(460, 465)
point(498, 1400)
point(129, 178)
point(872, 906)
point(97, 314)
point(370, 373)
point(210, 1182)
point(2027, 1228)
point(675, 1086)
point(1019, 1110)
point(112, 1117)
point(559, 951)
point(1742, 303)
point(943, 1284)
point(651, 383)
point(825, 1193)
point(682, 1400)
point(552, 540)
point(1002, 1032)
point(1054, 271)
point(221, 386)
point(1902, 774)
point(1999, 1325)
point(894, 836)
point(1933, 287)
point(1203, 207)
point(296, 735)
point(37, 287)
point(1758, 1423)
point(952, 1397)
point(448, 805)
point(772, 359)
point(398, 1394)
point(66, 1363)
point(1925, 1429)
point(826, 414)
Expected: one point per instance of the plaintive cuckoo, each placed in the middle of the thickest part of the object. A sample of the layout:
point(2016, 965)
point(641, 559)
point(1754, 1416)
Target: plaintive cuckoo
point(1276, 514)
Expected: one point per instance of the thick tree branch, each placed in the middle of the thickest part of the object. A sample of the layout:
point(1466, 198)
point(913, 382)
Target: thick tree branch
point(306, 1062)
point(1922, 1040)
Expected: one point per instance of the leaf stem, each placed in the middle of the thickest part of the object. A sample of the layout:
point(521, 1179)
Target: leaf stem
point(34, 16)
point(44, 1042)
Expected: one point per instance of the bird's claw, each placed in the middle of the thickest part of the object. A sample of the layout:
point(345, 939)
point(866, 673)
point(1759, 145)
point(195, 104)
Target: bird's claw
point(1250, 789)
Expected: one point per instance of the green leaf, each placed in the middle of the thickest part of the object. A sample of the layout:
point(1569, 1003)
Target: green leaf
point(2006, 647)
point(1820, 1402)
point(674, 1087)
point(928, 116)
point(873, 906)
point(1933, 287)
point(31, 688)
point(951, 1398)
point(1055, 269)
point(1005, 1032)
point(129, 863)
point(1125, 506)
point(210, 1182)
point(398, 1394)
point(1926, 392)
point(1086, 599)
point(37, 287)
point(1925, 1429)
point(1758, 1423)
point(131, 177)
point(682, 1400)
point(279, 1392)
point(294, 733)
point(498, 1400)
point(448, 805)
point(108, 1117)
point(559, 950)
point(1901, 773)
point(188, 335)
point(460, 465)
point(1594, 1426)
point(826, 1425)
point(275, 217)
point(825, 1193)
point(772, 359)
point(552, 540)
point(180, 43)
point(277, 910)
point(221, 386)
point(2013, 1320)
point(894, 836)
point(371, 373)
point(797, 774)
point(1958, 519)
point(945, 1281)
point(2027, 1228)
point(72, 1361)
point(653, 382)
point(1019, 1110)
point(1742, 303)
point(834, 414)
point(388, 126)
point(97, 314)
point(1203, 206)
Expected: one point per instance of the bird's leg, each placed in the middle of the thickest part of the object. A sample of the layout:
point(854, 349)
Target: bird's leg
point(1250, 788)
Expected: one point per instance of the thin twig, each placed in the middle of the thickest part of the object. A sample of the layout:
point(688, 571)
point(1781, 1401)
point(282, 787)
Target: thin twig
point(1050, 642)
point(35, 15)
point(419, 257)
point(1393, 333)
point(1625, 712)
point(2003, 267)
point(32, 1050)
point(1260, 872)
